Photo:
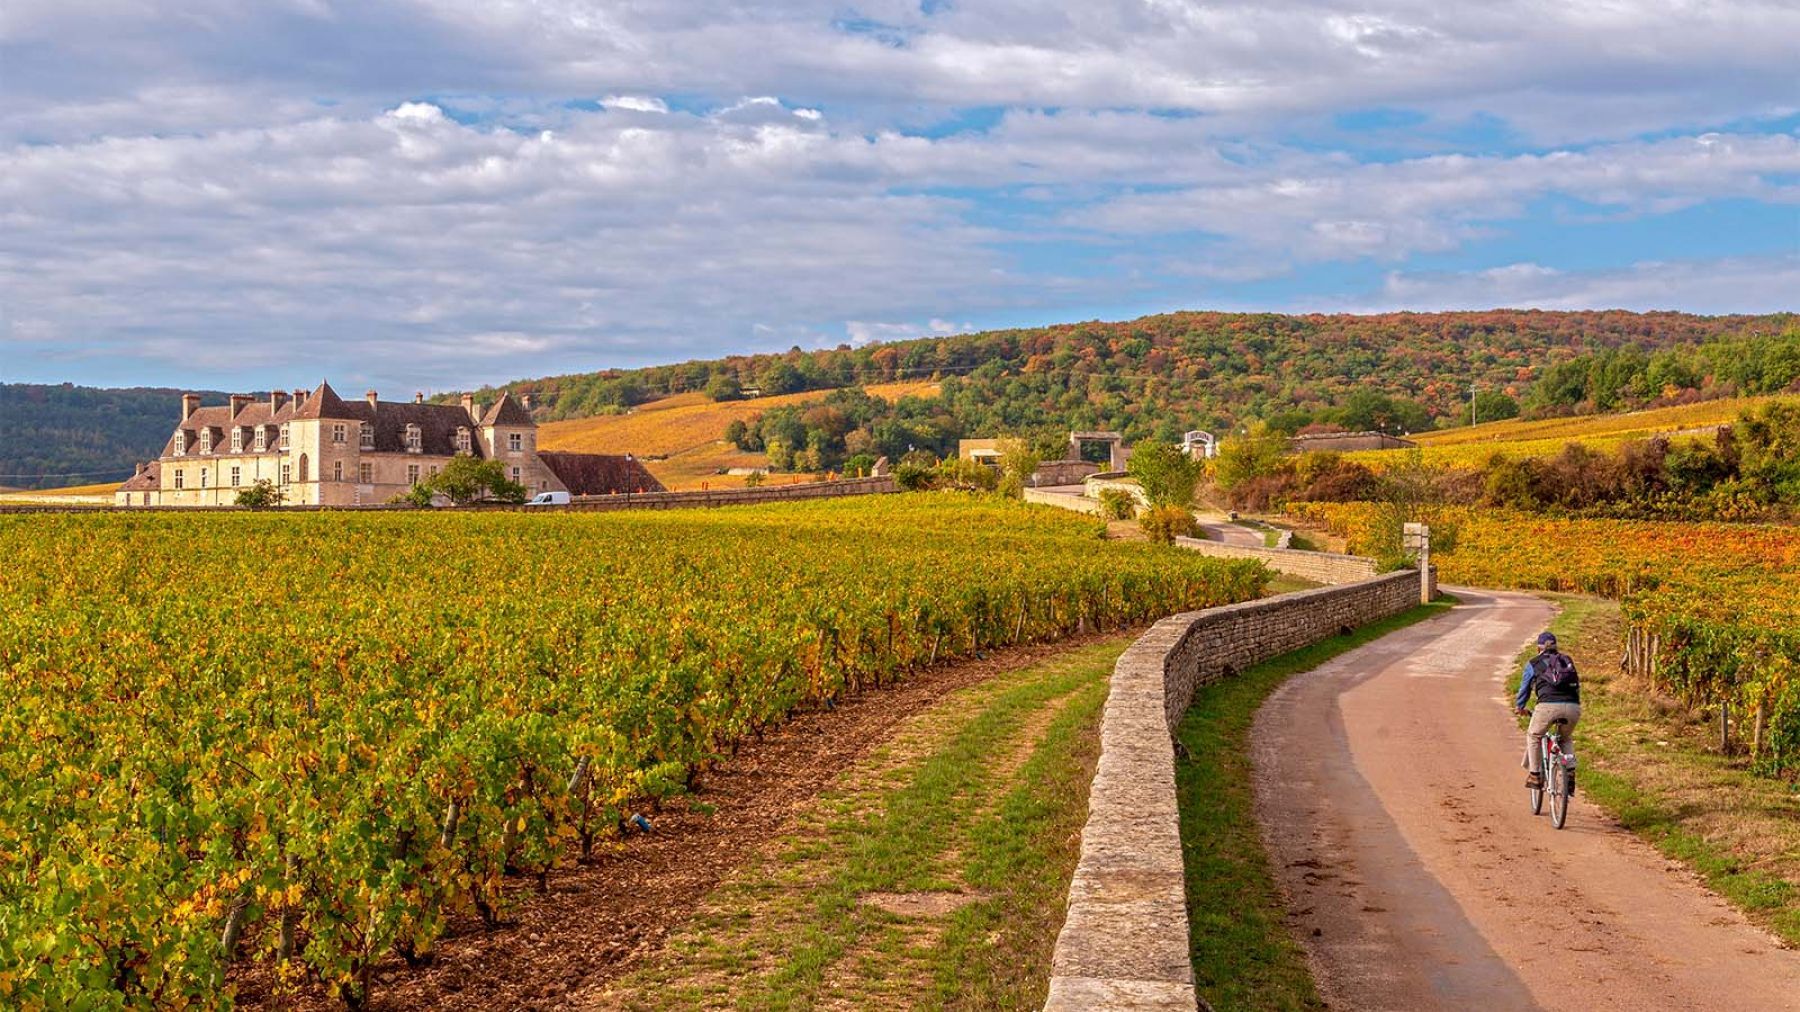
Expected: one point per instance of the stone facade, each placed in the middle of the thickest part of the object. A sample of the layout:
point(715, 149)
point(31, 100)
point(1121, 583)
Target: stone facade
point(1124, 943)
point(321, 450)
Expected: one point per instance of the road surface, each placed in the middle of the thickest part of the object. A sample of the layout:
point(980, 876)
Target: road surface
point(1232, 534)
point(1390, 795)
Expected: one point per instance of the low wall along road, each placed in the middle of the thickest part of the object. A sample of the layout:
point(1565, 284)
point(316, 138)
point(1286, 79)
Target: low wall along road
point(1124, 944)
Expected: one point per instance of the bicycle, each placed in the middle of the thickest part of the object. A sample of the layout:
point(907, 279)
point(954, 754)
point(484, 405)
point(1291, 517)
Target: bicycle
point(1558, 780)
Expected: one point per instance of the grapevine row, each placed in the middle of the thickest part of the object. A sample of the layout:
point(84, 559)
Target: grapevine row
point(308, 741)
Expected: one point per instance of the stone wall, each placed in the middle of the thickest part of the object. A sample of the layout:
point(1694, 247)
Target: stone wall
point(1124, 943)
point(1063, 500)
point(596, 503)
point(729, 496)
point(1319, 567)
point(1062, 472)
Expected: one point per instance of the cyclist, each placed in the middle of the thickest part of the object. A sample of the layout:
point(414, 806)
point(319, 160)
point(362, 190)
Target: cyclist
point(1551, 674)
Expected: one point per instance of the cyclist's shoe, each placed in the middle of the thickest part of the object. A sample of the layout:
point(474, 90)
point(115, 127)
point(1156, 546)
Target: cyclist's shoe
point(1535, 781)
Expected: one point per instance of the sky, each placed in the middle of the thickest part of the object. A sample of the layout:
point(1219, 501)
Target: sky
point(431, 194)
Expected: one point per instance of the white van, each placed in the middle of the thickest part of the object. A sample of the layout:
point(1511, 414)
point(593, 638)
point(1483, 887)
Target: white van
point(550, 499)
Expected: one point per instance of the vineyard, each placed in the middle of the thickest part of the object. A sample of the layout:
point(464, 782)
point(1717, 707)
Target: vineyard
point(1545, 437)
point(684, 431)
point(1714, 608)
point(300, 743)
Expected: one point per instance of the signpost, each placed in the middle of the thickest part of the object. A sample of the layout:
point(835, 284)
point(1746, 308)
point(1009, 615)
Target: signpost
point(1417, 537)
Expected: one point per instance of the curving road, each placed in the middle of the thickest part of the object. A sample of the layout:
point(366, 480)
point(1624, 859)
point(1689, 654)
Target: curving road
point(1390, 796)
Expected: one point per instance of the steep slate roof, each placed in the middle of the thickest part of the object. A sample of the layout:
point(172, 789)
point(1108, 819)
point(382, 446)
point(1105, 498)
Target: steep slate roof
point(600, 473)
point(147, 480)
point(220, 420)
point(437, 426)
point(507, 411)
point(325, 403)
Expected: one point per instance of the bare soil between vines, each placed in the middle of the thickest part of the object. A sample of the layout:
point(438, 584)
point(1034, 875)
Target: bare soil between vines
point(599, 919)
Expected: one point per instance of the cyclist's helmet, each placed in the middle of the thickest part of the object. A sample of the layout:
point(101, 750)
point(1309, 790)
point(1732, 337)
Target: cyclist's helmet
point(1546, 639)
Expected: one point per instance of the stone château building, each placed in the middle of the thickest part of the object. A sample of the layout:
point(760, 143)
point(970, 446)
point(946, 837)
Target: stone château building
point(322, 450)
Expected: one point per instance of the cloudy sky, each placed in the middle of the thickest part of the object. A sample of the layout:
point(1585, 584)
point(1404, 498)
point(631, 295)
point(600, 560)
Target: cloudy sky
point(431, 193)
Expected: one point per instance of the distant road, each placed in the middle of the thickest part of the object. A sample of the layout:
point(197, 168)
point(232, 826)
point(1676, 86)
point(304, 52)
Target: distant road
point(1232, 534)
point(1391, 797)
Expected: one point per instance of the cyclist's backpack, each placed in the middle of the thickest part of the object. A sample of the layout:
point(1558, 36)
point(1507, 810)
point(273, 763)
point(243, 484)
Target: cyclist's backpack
point(1554, 671)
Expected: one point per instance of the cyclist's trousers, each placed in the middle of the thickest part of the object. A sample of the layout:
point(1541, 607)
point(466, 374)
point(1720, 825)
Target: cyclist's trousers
point(1541, 716)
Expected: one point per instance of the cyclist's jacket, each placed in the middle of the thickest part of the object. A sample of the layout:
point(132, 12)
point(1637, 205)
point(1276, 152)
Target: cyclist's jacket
point(1539, 676)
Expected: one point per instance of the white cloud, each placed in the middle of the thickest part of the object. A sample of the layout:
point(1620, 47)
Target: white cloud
point(427, 187)
point(1332, 210)
point(1722, 285)
point(635, 103)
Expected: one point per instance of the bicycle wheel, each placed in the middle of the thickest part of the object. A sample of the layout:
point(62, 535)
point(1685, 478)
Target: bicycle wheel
point(1558, 786)
point(1537, 793)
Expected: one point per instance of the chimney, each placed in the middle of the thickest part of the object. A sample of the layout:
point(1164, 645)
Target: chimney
point(140, 467)
point(238, 403)
point(299, 399)
point(276, 399)
point(469, 406)
point(370, 397)
point(419, 398)
point(525, 401)
point(190, 403)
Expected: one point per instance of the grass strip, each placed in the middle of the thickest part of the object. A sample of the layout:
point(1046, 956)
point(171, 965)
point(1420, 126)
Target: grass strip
point(1243, 955)
point(973, 797)
point(1658, 775)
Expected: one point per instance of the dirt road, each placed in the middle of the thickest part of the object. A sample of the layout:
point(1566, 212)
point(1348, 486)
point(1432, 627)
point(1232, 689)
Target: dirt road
point(1391, 798)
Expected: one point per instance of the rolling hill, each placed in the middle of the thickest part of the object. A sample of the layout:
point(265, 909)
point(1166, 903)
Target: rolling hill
point(679, 437)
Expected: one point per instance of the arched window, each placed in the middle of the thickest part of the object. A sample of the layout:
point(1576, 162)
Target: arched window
point(303, 467)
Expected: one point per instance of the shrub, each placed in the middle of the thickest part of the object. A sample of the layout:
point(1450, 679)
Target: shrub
point(261, 495)
point(1117, 504)
point(912, 477)
point(1163, 524)
point(466, 480)
point(1166, 474)
point(1018, 461)
point(753, 480)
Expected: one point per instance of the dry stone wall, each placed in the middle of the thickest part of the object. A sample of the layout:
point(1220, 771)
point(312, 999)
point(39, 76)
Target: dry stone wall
point(1124, 943)
point(598, 503)
point(1319, 567)
point(1063, 500)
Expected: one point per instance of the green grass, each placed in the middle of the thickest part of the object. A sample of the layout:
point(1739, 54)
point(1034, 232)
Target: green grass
point(1655, 770)
point(982, 795)
point(1243, 955)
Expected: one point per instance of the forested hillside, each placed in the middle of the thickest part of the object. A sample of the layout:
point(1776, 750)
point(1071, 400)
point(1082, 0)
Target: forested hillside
point(54, 435)
point(1160, 375)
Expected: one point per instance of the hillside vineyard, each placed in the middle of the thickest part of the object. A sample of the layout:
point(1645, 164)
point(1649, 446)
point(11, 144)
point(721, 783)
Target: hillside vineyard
point(1714, 607)
point(307, 740)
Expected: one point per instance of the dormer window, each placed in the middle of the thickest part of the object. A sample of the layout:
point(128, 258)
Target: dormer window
point(283, 444)
point(237, 439)
point(515, 442)
point(180, 443)
point(415, 440)
point(462, 439)
point(368, 436)
point(262, 438)
point(337, 433)
point(205, 441)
